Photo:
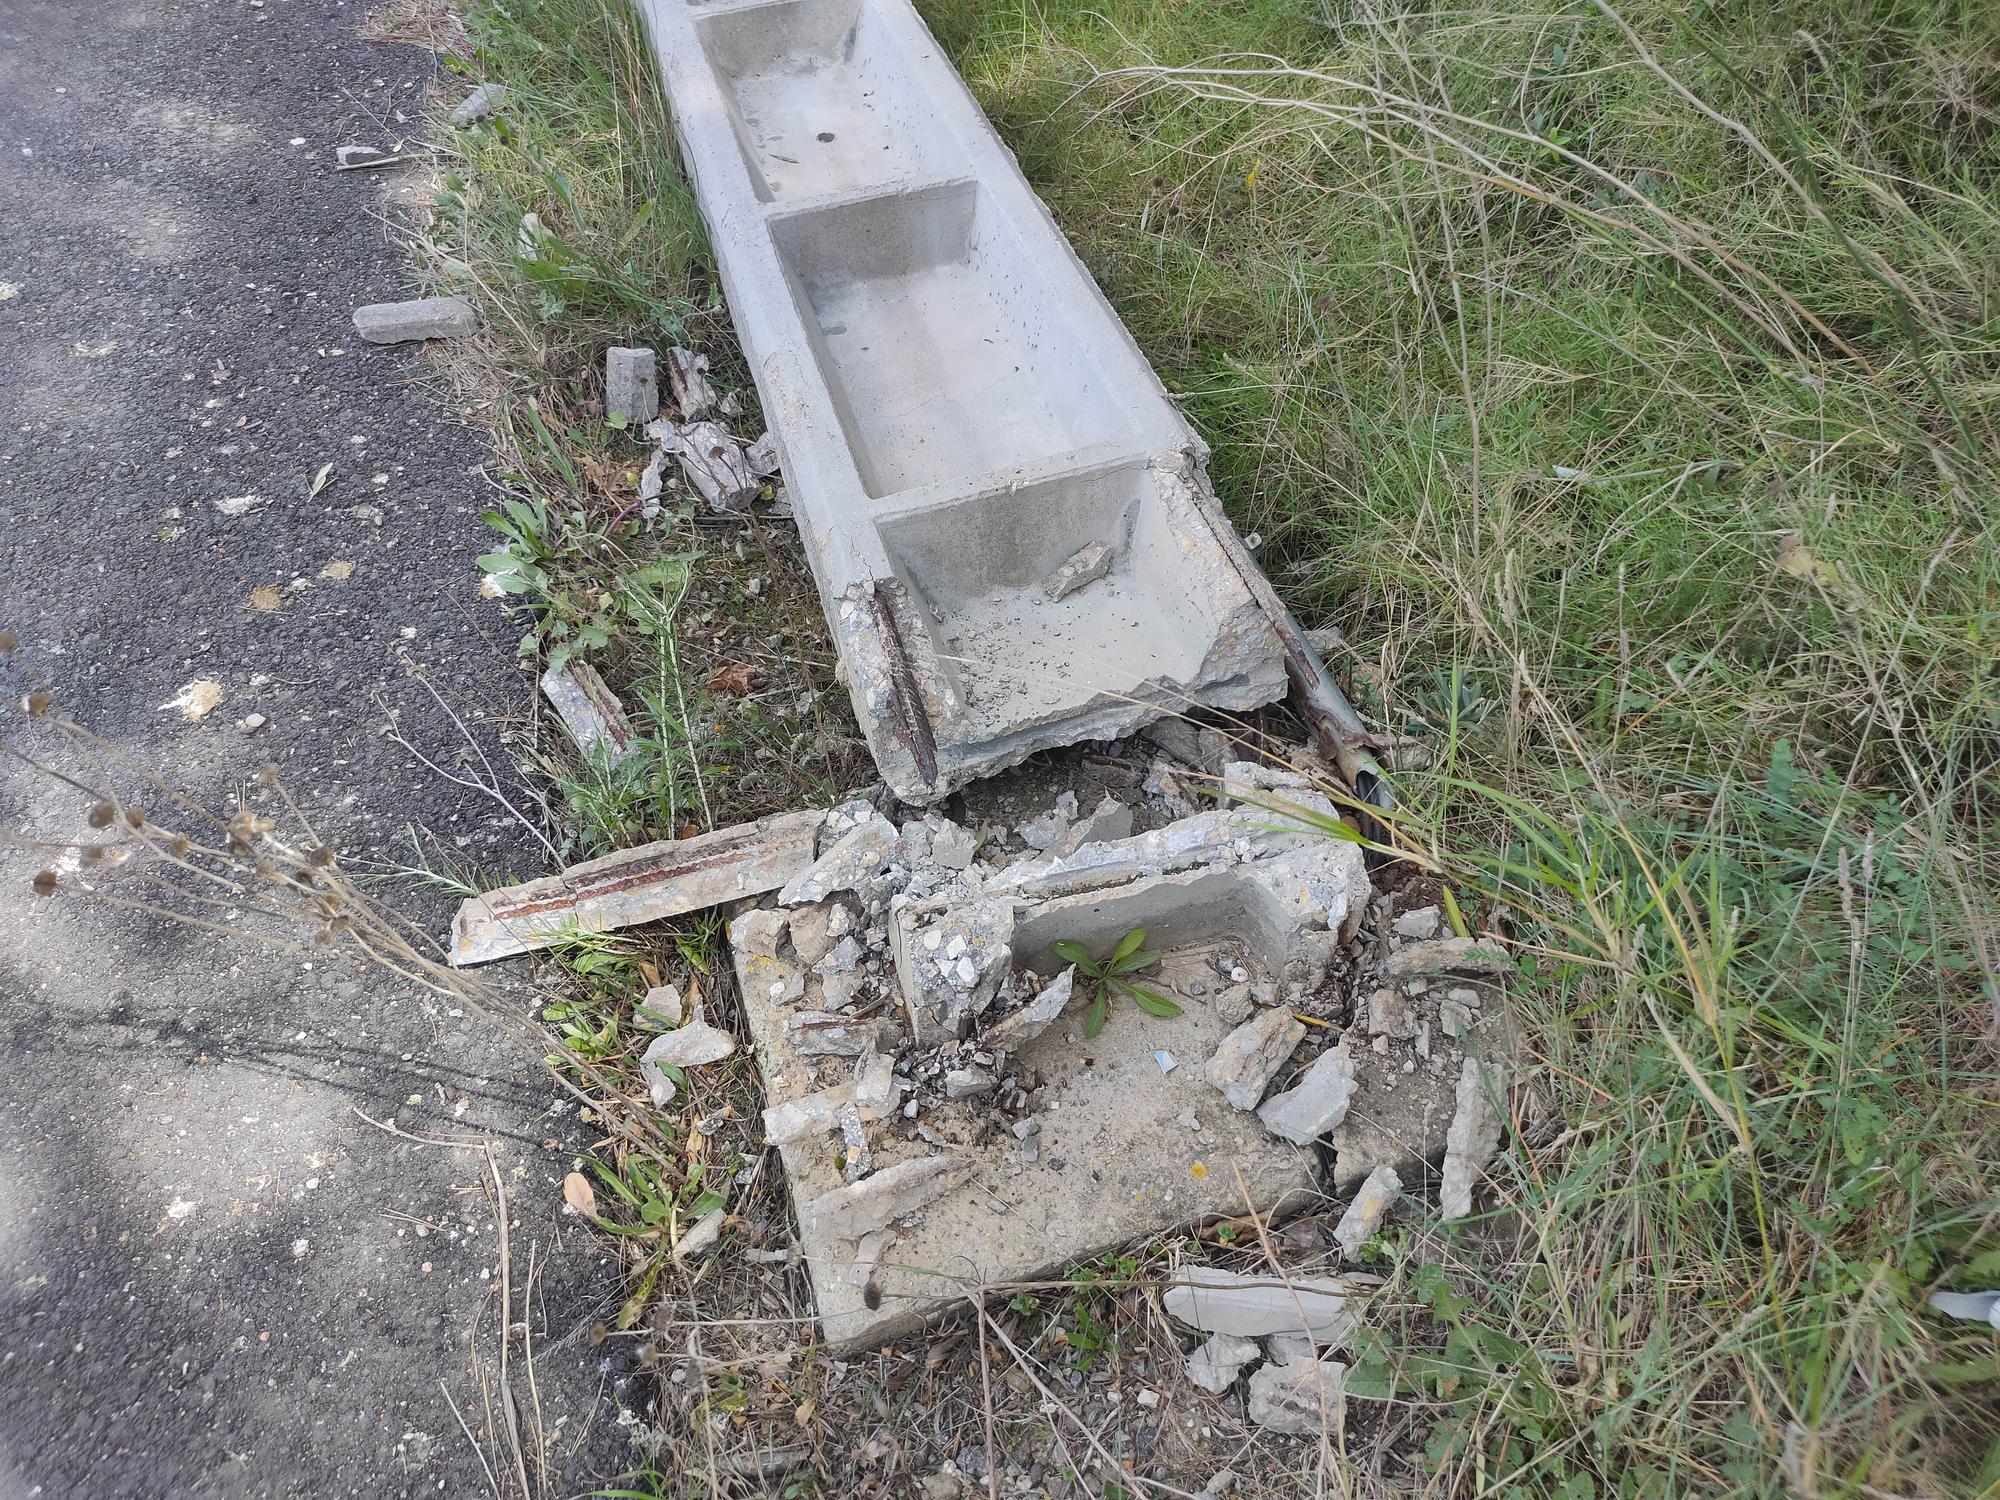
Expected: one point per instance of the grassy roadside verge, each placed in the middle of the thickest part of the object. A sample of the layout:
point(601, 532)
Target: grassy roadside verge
point(1623, 387)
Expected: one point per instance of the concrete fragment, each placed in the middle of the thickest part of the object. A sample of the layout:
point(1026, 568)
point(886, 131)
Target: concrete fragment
point(1421, 923)
point(758, 930)
point(690, 1045)
point(1453, 955)
point(478, 104)
point(880, 1199)
point(419, 318)
point(952, 846)
point(1019, 1027)
point(711, 461)
point(1389, 1014)
point(645, 884)
point(820, 1033)
point(856, 856)
point(950, 969)
point(591, 712)
point(1473, 1137)
point(1110, 819)
point(1219, 1359)
point(809, 1115)
point(359, 158)
point(968, 1083)
point(631, 386)
point(811, 939)
point(1217, 1301)
point(1030, 429)
point(1250, 1056)
point(699, 1237)
point(844, 957)
point(1235, 1004)
point(875, 1088)
point(1364, 1215)
point(1084, 566)
point(659, 1009)
point(1972, 1307)
point(762, 457)
point(1317, 1103)
point(1050, 828)
point(659, 1088)
point(1303, 1397)
point(687, 381)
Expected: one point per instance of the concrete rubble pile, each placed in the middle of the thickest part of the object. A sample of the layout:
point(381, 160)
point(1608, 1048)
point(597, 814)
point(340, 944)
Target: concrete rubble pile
point(1011, 564)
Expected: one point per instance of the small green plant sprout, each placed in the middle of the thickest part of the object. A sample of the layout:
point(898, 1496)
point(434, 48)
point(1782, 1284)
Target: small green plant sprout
point(1108, 978)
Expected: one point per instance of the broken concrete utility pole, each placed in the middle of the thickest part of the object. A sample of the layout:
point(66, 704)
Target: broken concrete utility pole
point(1007, 518)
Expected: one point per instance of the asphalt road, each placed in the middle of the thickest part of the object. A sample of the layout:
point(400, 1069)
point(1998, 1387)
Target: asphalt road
point(215, 1277)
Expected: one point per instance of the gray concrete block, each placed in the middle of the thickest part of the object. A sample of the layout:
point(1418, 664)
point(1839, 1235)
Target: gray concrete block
point(631, 386)
point(420, 318)
point(960, 412)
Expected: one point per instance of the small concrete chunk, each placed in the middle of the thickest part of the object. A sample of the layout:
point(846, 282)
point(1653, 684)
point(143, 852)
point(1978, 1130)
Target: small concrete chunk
point(1365, 1214)
point(875, 1085)
point(820, 1033)
point(856, 856)
point(1085, 566)
point(1250, 1056)
point(1218, 1360)
point(1461, 955)
point(591, 712)
point(1305, 1396)
point(1049, 829)
point(968, 1083)
point(1307, 1111)
point(689, 1045)
point(1473, 1137)
point(631, 386)
point(1256, 1306)
point(659, 1009)
point(419, 318)
point(879, 1200)
point(711, 461)
point(952, 846)
point(1110, 819)
point(758, 931)
point(1019, 1027)
point(699, 1237)
point(811, 938)
point(811, 1114)
point(1389, 1014)
point(478, 104)
point(952, 969)
point(1421, 923)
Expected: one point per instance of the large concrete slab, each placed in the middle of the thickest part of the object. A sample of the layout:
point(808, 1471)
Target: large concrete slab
point(1059, 1146)
point(958, 409)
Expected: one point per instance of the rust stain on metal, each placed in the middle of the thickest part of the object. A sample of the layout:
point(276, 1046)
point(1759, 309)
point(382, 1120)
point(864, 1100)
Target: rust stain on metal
point(917, 730)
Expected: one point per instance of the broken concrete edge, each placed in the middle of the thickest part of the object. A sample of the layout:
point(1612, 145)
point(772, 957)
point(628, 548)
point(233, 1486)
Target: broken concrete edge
point(646, 884)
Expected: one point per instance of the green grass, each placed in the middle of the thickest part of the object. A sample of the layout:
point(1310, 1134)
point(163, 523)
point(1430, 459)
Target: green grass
point(1642, 446)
